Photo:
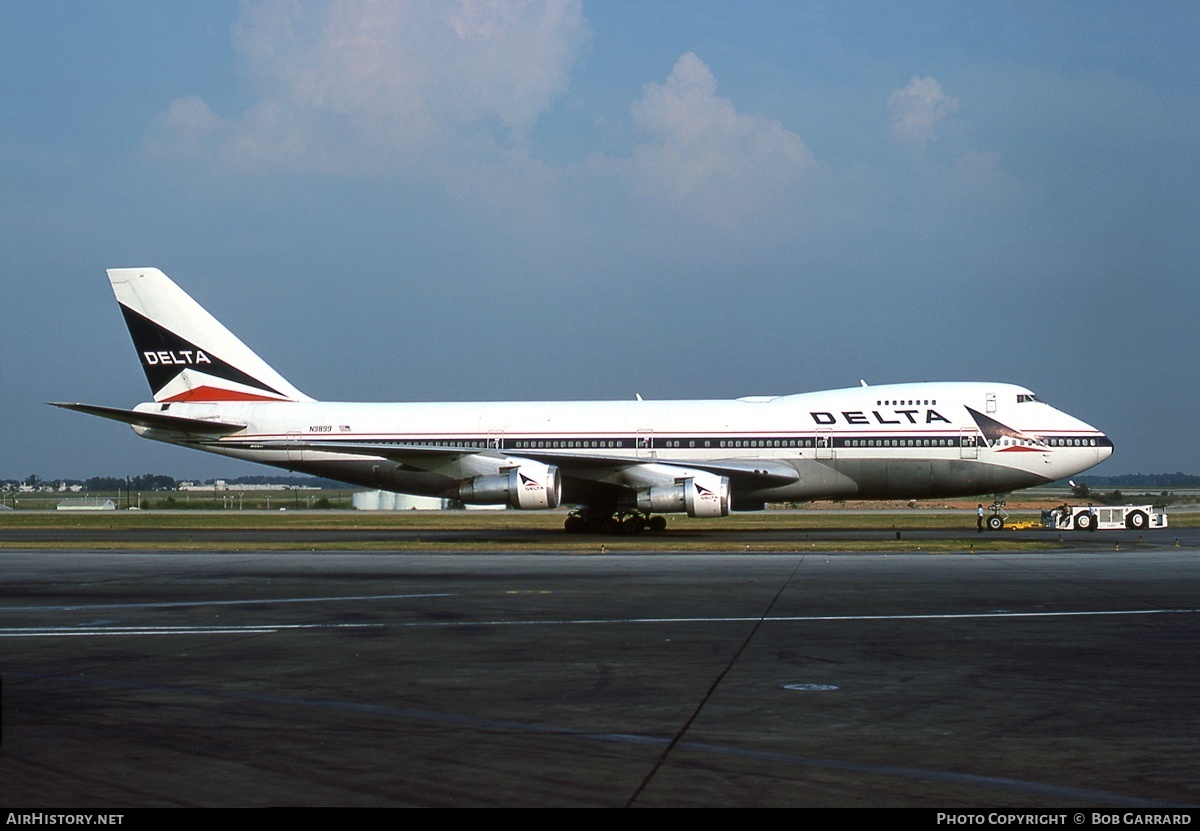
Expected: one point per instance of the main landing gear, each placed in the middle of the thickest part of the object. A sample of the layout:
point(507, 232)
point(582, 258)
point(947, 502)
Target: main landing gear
point(621, 521)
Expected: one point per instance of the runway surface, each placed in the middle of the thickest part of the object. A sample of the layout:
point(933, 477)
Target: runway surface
point(947, 681)
point(689, 535)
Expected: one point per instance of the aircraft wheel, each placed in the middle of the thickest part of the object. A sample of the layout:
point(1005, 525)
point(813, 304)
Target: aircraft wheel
point(995, 523)
point(657, 523)
point(1136, 521)
point(632, 525)
point(574, 524)
point(610, 525)
point(1083, 521)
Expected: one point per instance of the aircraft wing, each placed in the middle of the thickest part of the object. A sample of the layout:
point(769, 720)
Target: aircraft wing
point(763, 472)
point(157, 421)
point(396, 452)
point(759, 473)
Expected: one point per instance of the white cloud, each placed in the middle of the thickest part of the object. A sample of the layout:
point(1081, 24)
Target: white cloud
point(352, 86)
point(707, 158)
point(917, 110)
point(953, 184)
point(184, 129)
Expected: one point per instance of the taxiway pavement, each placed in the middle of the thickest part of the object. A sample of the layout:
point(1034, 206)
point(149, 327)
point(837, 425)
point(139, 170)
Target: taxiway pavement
point(947, 681)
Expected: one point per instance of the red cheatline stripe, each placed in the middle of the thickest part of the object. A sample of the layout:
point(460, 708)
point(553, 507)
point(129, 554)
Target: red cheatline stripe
point(218, 394)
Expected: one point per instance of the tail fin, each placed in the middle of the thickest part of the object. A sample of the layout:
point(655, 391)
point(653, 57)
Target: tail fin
point(186, 353)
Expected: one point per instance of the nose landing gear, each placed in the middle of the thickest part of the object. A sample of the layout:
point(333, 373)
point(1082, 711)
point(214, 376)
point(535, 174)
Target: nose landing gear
point(995, 520)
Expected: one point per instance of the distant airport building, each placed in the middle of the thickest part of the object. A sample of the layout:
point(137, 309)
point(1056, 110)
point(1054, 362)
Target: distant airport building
point(388, 501)
point(87, 504)
point(223, 485)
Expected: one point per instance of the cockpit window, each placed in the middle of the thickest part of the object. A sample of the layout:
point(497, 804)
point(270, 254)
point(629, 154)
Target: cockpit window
point(1024, 397)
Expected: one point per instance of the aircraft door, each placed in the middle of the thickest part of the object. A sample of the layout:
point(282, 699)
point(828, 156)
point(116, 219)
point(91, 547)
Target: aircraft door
point(824, 443)
point(645, 444)
point(968, 445)
point(294, 454)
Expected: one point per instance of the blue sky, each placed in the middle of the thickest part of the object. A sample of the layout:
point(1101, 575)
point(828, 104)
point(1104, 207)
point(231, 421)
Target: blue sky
point(461, 201)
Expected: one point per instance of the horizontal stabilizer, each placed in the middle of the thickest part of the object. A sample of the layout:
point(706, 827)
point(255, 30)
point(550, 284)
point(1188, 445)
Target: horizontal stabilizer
point(157, 421)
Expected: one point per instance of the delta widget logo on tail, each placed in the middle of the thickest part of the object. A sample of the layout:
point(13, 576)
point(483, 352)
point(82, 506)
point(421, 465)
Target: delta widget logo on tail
point(165, 355)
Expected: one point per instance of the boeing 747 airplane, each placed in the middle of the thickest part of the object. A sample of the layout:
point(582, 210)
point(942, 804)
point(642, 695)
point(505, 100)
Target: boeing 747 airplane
point(621, 464)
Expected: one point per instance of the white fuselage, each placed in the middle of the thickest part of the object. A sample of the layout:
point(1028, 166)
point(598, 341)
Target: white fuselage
point(894, 441)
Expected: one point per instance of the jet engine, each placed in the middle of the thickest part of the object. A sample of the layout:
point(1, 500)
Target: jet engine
point(531, 486)
point(702, 495)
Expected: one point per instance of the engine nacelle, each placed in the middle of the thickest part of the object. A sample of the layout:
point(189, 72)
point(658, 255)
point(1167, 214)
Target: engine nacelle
point(531, 486)
point(702, 495)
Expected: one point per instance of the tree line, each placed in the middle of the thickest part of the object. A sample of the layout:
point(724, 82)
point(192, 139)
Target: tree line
point(1137, 481)
point(155, 482)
